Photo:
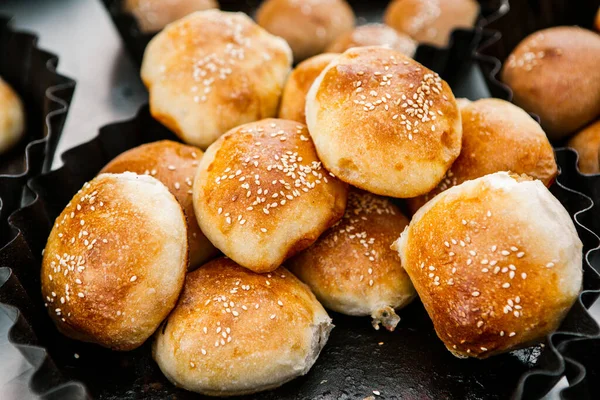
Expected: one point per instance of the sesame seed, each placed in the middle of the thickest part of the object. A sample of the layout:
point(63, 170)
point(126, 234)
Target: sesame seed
point(133, 278)
point(520, 254)
point(506, 285)
point(511, 334)
point(475, 294)
point(550, 265)
point(272, 316)
point(523, 275)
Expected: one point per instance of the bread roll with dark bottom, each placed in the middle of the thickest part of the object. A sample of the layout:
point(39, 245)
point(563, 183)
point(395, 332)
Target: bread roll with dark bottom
point(383, 122)
point(261, 194)
point(496, 262)
point(374, 35)
point(115, 261)
point(235, 332)
point(154, 15)
point(12, 117)
point(351, 268)
point(175, 165)
point(587, 145)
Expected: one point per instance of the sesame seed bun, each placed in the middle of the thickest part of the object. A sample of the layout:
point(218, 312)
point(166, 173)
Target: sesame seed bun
point(293, 102)
point(554, 73)
point(115, 261)
point(212, 71)
point(431, 21)
point(351, 268)
point(261, 194)
point(235, 332)
point(154, 15)
point(309, 26)
point(175, 165)
point(497, 136)
point(374, 35)
point(383, 122)
point(496, 262)
point(587, 144)
point(12, 118)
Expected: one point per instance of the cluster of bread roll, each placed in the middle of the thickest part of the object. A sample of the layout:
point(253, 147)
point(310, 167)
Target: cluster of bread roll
point(492, 255)
point(12, 117)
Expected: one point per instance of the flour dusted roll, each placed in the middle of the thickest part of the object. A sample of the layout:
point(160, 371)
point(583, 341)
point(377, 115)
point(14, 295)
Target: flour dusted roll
point(587, 144)
point(235, 332)
point(12, 117)
point(154, 15)
point(375, 35)
point(496, 262)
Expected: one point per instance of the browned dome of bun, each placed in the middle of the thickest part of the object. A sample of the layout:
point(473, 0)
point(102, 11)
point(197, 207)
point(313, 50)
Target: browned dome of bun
point(431, 21)
point(374, 35)
point(12, 117)
point(115, 261)
point(554, 73)
point(351, 268)
point(309, 26)
point(497, 136)
point(293, 102)
point(261, 194)
point(236, 332)
point(175, 165)
point(383, 122)
point(496, 262)
point(587, 144)
point(154, 15)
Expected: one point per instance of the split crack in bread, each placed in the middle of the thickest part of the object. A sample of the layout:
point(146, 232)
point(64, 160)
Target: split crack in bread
point(351, 268)
point(383, 122)
point(236, 332)
point(154, 15)
point(554, 73)
point(496, 262)
point(587, 144)
point(497, 136)
point(212, 71)
point(309, 26)
point(261, 194)
point(175, 165)
point(374, 35)
point(12, 117)
point(115, 261)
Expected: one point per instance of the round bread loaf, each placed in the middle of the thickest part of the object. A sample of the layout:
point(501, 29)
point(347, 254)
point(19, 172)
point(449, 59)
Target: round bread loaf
point(587, 145)
point(175, 165)
point(431, 21)
point(235, 332)
point(554, 73)
point(383, 122)
point(115, 261)
point(497, 136)
point(597, 22)
point(293, 102)
point(374, 35)
point(309, 26)
point(261, 194)
point(496, 262)
point(12, 117)
point(212, 71)
point(351, 268)
point(154, 15)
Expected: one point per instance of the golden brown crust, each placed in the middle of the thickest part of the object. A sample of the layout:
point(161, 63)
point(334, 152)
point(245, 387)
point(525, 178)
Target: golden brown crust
point(309, 26)
point(261, 194)
point(497, 136)
point(175, 165)
point(554, 73)
point(374, 35)
point(431, 21)
point(293, 102)
point(154, 15)
point(598, 20)
point(587, 144)
point(212, 71)
point(115, 261)
point(383, 122)
point(236, 332)
point(351, 268)
point(12, 118)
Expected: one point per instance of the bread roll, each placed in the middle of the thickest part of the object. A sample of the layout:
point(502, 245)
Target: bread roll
point(496, 262)
point(383, 122)
point(12, 117)
point(212, 71)
point(597, 22)
point(351, 268)
point(154, 15)
point(587, 145)
point(115, 261)
point(554, 73)
point(235, 332)
point(497, 136)
point(261, 194)
point(175, 165)
point(309, 26)
point(374, 35)
point(293, 102)
point(431, 21)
